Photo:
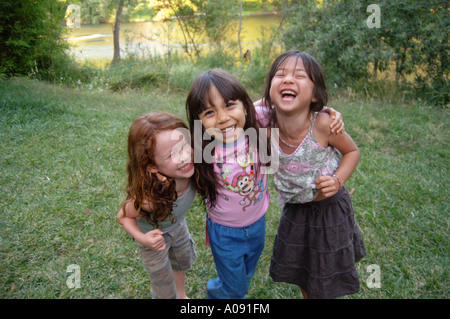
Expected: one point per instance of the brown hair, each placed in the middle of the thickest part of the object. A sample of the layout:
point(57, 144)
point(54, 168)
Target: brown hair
point(197, 101)
point(142, 183)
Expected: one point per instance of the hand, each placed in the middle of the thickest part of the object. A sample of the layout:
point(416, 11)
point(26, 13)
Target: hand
point(327, 185)
point(154, 240)
point(337, 125)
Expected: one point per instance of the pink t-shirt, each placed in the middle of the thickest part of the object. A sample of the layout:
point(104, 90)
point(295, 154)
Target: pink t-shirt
point(262, 115)
point(247, 200)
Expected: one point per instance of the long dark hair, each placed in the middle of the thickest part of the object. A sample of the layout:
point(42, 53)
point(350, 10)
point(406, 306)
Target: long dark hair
point(197, 101)
point(315, 73)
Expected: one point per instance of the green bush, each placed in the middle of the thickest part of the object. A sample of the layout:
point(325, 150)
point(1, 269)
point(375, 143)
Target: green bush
point(411, 39)
point(30, 36)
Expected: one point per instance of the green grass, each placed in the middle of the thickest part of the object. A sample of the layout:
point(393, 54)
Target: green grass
point(63, 175)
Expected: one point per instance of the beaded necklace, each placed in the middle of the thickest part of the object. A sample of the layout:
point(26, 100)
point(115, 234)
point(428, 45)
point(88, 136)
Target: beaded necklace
point(249, 161)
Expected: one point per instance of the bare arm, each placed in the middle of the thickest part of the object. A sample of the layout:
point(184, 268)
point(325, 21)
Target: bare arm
point(126, 217)
point(330, 185)
point(336, 126)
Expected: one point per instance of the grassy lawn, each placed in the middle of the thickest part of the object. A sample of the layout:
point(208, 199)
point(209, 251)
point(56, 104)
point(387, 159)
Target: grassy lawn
point(63, 176)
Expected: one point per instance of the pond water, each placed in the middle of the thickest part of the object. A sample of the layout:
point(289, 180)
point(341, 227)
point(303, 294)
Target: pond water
point(95, 42)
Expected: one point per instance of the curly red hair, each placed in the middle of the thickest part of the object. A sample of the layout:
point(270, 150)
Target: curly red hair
point(144, 186)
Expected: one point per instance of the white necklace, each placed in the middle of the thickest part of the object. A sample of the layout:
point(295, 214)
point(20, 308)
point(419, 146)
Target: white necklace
point(285, 143)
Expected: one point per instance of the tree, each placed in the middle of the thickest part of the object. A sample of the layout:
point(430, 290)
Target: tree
point(30, 35)
point(432, 55)
point(96, 11)
point(239, 30)
point(417, 32)
point(184, 13)
point(199, 18)
point(217, 17)
point(336, 34)
point(100, 11)
point(412, 37)
point(116, 32)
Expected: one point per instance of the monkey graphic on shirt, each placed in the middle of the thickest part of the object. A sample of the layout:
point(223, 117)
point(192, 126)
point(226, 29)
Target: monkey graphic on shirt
point(244, 183)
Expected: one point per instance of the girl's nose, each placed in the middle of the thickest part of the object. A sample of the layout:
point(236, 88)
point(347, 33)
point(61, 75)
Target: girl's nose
point(186, 154)
point(288, 78)
point(222, 116)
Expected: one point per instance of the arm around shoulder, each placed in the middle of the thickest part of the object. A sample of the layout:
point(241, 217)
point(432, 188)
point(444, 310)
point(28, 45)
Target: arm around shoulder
point(337, 122)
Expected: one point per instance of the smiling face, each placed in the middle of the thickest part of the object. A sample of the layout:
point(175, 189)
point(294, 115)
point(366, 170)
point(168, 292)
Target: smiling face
point(291, 88)
point(173, 156)
point(294, 63)
point(224, 120)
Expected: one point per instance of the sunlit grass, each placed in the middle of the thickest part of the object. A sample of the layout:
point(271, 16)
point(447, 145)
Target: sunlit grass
point(63, 174)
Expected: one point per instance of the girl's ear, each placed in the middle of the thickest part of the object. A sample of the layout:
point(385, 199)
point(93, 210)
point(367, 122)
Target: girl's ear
point(153, 170)
point(161, 177)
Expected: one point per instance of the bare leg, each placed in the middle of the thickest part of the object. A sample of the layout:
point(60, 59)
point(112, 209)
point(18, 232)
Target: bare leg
point(179, 277)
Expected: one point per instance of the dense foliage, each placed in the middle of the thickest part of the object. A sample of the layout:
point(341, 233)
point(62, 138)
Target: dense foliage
point(356, 41)
point(30, 35)
point(411, 38)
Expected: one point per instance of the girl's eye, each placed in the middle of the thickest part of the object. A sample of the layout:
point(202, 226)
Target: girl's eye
point(208, 113)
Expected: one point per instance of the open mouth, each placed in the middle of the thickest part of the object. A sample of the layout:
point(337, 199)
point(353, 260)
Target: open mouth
point(185, 168)
point(288, 95)
point(228, 130)
point(246, 189)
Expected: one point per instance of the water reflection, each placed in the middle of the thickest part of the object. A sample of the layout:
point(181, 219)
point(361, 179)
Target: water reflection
point(95, 42)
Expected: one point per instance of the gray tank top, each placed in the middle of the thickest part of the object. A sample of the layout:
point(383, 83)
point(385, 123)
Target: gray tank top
point(180, 208)
point(297, 172)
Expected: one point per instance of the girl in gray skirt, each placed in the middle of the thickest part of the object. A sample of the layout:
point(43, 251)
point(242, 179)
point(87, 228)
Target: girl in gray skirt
point(318, 241)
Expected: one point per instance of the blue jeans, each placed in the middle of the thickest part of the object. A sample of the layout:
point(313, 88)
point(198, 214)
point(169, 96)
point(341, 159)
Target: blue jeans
point(236, 252)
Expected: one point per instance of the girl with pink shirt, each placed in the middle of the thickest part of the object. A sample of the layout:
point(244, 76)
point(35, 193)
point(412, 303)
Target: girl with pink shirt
point(235, 192)
point(230, 177)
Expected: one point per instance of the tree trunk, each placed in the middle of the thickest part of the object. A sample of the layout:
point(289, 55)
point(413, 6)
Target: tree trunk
point(116, 33)
point(240, 28)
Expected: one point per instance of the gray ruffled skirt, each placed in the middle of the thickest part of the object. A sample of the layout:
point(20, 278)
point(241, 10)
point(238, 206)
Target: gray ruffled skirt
point(317, 246)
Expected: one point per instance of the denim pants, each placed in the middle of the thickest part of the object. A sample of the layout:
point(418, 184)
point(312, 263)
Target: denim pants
point(236, 252)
